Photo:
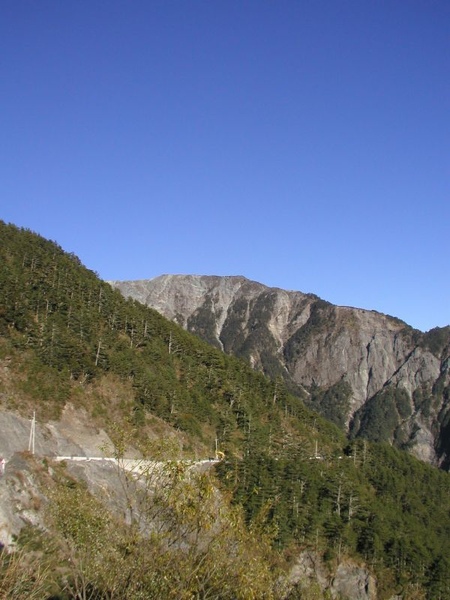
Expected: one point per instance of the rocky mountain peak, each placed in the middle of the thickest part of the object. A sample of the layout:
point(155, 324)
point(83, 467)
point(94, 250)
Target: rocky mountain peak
point(367, 371)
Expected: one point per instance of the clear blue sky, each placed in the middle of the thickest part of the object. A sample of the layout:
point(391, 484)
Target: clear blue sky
point(304, 144)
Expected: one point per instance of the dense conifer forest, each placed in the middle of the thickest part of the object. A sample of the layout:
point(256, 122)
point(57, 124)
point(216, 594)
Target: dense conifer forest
point(290, 479)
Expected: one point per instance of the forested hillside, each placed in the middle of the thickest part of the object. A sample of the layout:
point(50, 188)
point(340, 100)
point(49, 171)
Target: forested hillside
point(70, 327)
point(67, 336)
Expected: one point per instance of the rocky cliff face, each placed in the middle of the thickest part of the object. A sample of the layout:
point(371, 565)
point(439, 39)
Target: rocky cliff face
point(21, 498)
point(368, 372)
point(349, 580)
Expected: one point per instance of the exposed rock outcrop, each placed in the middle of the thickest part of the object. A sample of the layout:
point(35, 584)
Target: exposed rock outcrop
point(21, 499)
point(73, 435)
point(348, 581)
point(353, 581)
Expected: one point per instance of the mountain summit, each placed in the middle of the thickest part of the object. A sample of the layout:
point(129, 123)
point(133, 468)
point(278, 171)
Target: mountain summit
point(370, 373)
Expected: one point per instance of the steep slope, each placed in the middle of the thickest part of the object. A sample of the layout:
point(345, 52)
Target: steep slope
point(66, 336)
point(97, 367)
point(368, 372)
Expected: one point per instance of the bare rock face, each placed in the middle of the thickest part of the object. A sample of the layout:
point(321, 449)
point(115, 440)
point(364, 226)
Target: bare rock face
point(353, 581)
point(21, 496)
point(20, 500)
point(73, 435)
point(368, 372)
point(349, 581)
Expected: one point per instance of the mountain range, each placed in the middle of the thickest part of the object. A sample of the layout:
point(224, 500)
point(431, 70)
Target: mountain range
point(240, 484)
point(370, 373)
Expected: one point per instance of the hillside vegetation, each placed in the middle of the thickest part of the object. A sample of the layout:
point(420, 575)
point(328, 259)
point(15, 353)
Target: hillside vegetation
point(71, 330)
point(293, 478)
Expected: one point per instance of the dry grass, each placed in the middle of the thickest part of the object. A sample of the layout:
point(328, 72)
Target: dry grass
point(22, 577)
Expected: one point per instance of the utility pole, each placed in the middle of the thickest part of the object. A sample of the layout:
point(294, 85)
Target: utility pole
point(32, 434)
